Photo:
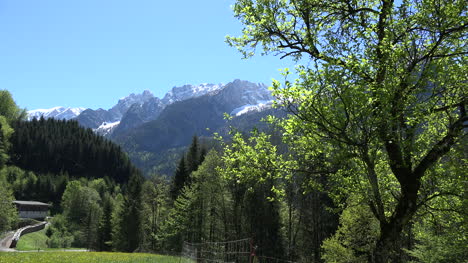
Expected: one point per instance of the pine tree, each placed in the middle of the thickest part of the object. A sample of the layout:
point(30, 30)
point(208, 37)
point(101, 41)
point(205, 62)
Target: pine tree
point(180, 177)
point(193, 155)
point(131, 223)
point(105, 226)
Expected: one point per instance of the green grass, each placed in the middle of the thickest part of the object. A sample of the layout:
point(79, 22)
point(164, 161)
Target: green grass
point(32, 241)
point(37, 241)
point(84, 257)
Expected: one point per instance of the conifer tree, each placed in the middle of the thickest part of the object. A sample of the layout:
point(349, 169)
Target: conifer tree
point(180, 177)
point(131, 223)
point(193, 155)
point(187, 164)
point(105, 225)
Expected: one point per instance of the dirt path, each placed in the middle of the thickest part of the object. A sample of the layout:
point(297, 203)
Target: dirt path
point(6, 242)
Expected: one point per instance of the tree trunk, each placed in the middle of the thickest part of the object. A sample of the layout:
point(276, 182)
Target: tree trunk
point(387, 246)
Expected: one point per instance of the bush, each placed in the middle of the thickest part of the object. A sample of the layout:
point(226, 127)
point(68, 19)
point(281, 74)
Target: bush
point(59, 236)
point(356, 237)
point(60, 240)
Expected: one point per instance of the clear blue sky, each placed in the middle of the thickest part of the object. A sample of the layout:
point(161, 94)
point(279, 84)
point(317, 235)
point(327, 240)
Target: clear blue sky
point(90, 53)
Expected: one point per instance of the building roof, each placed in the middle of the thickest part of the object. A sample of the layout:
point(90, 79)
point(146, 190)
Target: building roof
point(30, 203)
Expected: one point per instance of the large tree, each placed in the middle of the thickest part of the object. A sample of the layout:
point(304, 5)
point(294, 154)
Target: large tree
point(383, 90)
point(256, 170)
point(8, 213)
point(8, 107)
point(9, 112)
point(82, 209)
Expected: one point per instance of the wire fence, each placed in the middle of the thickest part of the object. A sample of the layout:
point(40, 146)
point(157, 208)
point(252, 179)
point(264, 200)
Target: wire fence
point(235, 251)
point(227, 251)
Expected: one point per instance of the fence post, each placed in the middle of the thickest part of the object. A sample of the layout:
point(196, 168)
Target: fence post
point(252, 251)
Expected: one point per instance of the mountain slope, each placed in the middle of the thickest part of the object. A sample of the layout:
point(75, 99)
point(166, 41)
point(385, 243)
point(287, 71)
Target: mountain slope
point(161, 156)
point(179, 121)
point(157, 143)
point(94, 119)
point(138, 114)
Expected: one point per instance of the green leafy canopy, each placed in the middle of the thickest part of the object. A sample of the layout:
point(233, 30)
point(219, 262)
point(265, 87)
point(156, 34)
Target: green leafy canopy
point(380, 98)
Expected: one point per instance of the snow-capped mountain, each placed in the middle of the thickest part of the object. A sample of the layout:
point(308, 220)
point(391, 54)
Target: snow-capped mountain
point(189, 91)
point(237, 97)
point(56, 112)
point(151, 143)
point(136, 109)
point(244, 96)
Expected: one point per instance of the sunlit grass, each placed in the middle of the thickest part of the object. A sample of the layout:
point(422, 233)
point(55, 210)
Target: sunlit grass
point(33, 241)
point(84, 257)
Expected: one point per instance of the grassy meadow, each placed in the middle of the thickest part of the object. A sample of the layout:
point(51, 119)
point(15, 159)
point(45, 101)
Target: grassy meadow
point(33, 241)
point(84, 257)
point(37, 241)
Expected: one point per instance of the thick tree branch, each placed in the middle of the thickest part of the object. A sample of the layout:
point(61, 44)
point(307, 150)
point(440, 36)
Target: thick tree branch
point(374, 183)
point(443, 146)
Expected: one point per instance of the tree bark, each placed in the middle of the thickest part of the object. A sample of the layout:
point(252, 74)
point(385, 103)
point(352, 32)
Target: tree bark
point(387, 246)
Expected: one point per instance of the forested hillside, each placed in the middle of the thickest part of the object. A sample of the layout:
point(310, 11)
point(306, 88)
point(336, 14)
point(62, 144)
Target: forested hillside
point(93, 189)
point(156, 146)
point(59, 147)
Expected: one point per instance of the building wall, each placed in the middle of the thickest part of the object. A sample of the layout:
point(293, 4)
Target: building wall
point(32, 214)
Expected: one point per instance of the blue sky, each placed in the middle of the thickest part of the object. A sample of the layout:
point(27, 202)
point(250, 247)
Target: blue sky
point(90, 53)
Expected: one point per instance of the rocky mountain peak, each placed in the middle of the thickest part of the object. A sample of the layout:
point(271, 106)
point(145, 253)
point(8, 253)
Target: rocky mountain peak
point(125, 103)
point(189, 91)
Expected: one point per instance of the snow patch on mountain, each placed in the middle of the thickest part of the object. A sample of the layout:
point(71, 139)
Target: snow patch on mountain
point(106, 128)
point(260, 106)
point(59, 113)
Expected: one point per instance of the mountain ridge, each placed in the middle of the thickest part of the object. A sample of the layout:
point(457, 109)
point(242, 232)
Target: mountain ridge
point(138, 108)
point(58, 112)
